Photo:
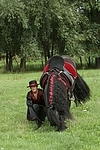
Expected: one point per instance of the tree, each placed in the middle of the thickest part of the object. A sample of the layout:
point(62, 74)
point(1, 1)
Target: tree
point(90, 27)
point(53, 24)
point(49, 27)
point(12, 23)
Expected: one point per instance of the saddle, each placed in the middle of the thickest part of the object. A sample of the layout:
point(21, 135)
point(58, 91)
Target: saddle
point(56, 63)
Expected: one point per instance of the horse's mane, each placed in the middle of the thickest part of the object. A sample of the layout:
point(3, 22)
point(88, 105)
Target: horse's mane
point(58, 94)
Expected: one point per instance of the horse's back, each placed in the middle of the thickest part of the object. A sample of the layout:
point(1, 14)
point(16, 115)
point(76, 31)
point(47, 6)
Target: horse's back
point(69, 60)
point(70, 65)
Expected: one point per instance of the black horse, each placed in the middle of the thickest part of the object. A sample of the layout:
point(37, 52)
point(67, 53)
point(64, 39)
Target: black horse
point(60, 81)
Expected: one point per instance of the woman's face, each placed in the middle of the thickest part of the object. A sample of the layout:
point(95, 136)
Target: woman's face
point(34, 89)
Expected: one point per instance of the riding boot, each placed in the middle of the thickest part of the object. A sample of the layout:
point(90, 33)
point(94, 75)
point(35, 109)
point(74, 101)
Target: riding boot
point(39, 123)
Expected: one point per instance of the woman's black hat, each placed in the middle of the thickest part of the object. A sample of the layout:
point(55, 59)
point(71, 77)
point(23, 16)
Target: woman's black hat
point(32, 83)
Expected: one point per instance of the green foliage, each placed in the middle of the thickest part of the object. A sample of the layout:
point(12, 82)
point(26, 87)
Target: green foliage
point(83, 133)
point(50, 27)
point(90, 12)
point(12, 22)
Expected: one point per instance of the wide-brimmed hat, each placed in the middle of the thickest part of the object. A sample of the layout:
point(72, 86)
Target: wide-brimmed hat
point(33, 83)
point(56, 62)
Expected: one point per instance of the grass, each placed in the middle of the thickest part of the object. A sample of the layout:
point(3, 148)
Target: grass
point(16, 133)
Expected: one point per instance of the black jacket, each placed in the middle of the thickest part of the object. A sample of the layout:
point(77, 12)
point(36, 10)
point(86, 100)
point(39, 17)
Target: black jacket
point(31, 99)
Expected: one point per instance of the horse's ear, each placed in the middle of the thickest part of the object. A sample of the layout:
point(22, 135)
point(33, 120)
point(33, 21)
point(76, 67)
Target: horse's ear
point(56, 62)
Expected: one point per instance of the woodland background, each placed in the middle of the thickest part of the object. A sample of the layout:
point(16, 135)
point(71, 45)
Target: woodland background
point(35, 30)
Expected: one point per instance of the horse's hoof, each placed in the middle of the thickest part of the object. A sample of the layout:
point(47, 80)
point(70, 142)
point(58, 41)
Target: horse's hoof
point(52, 124)
point(61, 129)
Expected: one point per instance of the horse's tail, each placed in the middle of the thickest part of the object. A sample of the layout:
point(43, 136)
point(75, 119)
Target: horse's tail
point(81, 90)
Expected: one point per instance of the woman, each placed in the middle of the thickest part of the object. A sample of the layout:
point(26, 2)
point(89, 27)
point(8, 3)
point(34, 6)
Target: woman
point(36, 110)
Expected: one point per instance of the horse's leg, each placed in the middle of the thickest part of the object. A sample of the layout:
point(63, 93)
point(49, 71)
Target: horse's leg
point(56, 120)
point(53, 117)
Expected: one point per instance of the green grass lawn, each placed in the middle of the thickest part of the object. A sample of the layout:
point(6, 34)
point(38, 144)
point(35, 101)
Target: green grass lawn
point(16, 133)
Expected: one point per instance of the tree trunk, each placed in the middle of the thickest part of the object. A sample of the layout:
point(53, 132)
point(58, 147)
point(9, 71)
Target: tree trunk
point(89, 62)
point(46, 52)
point(23, 63)
point(81, 61)
point(10, 62)
point(97, 62)
point(42, 59)
point(9, 65)
point(52, 49)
